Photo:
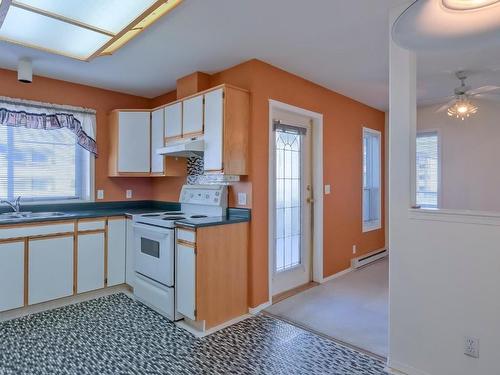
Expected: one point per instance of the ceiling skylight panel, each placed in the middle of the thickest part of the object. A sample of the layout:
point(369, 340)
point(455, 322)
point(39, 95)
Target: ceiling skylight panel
point(38, 31)
point(109, 15)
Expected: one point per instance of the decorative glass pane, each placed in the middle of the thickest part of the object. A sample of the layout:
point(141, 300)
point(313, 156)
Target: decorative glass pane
point(109, 15)
point(288, 200)
point(33, 29)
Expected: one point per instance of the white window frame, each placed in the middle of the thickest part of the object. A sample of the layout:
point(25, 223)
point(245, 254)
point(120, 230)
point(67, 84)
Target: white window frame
point(440, 161)
point(373, 224)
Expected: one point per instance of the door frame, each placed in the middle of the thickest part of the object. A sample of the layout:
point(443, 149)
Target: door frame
point(317, 181)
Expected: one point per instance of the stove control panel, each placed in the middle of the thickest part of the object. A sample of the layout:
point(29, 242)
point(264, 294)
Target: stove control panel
point(210, 195)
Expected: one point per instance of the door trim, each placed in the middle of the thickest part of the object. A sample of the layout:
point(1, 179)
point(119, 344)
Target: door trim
point(317, 180)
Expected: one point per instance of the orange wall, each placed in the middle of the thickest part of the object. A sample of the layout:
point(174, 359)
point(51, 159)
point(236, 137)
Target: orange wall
point(343, 120)
point(103, 101)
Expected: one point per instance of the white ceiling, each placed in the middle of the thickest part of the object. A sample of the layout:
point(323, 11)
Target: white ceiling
point(340, 44)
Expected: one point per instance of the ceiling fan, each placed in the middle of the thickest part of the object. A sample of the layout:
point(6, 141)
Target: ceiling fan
point(461, 106)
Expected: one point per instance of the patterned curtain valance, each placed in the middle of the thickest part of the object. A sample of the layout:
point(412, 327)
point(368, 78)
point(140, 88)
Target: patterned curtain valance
point(46, 121)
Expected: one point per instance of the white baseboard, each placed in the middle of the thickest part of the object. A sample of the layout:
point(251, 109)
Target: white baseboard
point(200, 334)
point(258, 309)
point(397, 368)
point(336, 275)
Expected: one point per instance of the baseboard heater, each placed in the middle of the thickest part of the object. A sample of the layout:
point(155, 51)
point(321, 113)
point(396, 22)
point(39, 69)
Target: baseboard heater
point(368, 258)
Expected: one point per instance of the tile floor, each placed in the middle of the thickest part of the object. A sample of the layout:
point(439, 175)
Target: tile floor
point(116, 335)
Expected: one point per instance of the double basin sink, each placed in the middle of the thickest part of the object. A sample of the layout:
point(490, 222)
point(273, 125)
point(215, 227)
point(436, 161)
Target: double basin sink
point(19, 216)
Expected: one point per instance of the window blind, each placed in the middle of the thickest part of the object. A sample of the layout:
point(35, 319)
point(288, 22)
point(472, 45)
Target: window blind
point(42, 164)
point(427, 173)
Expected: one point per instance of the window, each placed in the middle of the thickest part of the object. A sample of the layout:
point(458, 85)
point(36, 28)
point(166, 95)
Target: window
point(427, 174)
point(371, 180)
point(42, 165)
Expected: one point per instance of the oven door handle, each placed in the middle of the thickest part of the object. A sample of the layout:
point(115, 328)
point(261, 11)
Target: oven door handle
point(151, 228)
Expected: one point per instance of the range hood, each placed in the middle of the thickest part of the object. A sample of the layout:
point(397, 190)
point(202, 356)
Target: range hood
point(185, 148)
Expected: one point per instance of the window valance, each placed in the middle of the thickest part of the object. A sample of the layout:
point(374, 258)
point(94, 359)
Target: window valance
point(35, 115)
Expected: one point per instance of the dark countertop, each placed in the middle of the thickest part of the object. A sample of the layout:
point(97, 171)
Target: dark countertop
point(74, 211)
point(235, 215)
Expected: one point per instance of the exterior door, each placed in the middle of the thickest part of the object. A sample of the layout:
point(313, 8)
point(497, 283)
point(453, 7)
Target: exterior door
point(292, 203)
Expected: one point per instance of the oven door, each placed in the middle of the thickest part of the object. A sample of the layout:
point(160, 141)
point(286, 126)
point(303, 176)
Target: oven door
point(154, 253)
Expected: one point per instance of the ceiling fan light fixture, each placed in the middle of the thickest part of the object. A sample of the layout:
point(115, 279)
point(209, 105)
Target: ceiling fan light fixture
point(468, 4)
point(463, 108)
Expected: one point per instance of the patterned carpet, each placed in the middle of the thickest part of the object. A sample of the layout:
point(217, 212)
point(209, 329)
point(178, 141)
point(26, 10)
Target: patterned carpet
point(116, 335)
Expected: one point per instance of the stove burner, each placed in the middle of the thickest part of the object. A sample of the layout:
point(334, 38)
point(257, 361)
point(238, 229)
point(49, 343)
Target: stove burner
point(174, 218)
point(150, 215)
point(198, 216)
point(173, 213)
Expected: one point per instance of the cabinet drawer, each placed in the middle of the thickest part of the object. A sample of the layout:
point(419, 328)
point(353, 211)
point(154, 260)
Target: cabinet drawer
point(91, 225)
point(186, 235)
point(28, 230)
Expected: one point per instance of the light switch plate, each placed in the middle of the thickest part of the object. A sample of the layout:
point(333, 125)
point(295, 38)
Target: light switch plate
point(328, 189)
point(100, 194)
point(128, 194)
point(242, 199)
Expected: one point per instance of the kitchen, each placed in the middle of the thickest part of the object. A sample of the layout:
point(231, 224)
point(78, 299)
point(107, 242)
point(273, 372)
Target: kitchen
point(121, 212)
point(89, 249)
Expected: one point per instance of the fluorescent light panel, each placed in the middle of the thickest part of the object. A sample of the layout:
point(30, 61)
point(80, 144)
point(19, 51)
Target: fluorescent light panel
point(35, 30)
point(81, 29)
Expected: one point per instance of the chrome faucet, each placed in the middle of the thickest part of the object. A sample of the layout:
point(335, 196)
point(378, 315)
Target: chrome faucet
point(15, 205)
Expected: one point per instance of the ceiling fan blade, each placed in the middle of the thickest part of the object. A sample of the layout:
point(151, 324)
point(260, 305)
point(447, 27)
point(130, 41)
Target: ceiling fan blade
point(482, 90)
point(491, 95)
point(444, 107)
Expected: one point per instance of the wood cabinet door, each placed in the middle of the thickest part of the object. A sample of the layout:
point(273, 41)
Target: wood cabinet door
point(214, 127)
point(173, 121)
point(157, 141)
point(186, 281)
point(11, 275)
point(192, 116)
point(134, 142)
point(50, 268)
point(90, 273)
point(117, 234)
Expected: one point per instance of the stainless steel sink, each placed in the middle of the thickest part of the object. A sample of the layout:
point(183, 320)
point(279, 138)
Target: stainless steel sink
point(29, 215)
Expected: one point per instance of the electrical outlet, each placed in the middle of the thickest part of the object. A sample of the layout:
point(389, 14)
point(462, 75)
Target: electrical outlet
point(471, 346)
point(242, 199)
point(328, 189)
point(100, 194)
point(128, 194)
point(354, 249)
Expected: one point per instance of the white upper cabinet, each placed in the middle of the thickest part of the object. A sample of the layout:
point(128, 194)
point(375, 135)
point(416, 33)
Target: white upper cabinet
point(214, 126)
point(134, 142)
point(157, 140)
point(173, 121)
point(192, 116)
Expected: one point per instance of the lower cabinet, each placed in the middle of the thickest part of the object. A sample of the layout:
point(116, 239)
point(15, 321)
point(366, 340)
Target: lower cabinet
point(130, 260)
point(11, 275)
point(117, 233)
point(211, 275)
point(90, 262)
point(50, 268)
point(186, 280)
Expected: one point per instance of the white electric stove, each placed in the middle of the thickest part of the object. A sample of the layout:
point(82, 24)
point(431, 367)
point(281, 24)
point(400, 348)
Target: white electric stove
point(154, 242)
